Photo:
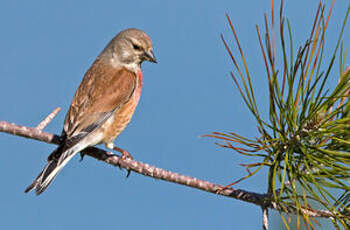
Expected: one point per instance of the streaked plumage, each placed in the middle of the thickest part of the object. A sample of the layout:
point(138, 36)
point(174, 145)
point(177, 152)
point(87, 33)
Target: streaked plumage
point(104, 103)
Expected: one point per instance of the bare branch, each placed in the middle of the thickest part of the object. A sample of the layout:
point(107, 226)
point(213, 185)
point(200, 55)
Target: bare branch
point(48, 119)
point(262, 200)
point(265, 212)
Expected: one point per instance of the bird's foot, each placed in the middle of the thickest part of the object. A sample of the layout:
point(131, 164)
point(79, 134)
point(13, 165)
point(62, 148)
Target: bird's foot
point(125, 154)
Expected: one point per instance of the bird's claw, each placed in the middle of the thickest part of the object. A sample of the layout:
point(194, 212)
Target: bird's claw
point(128, 174)
point(82, 155)
point(125, 155)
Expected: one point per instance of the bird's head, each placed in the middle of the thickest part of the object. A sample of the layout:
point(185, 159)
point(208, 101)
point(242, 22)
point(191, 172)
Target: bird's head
point(130, 48)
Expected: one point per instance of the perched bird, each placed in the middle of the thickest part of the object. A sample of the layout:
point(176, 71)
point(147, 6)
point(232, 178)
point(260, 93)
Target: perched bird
point(104, 102)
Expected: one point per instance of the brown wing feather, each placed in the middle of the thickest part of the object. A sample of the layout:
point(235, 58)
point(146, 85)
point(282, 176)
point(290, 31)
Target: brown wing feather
point(102, 90)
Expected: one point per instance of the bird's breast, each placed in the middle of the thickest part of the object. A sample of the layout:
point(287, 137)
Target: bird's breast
point(139, 76)
point(122, 117)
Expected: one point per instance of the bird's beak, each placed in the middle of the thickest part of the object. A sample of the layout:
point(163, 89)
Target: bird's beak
point(150, 56)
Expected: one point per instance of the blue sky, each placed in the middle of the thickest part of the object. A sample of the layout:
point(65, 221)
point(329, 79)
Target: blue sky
point(47, 46)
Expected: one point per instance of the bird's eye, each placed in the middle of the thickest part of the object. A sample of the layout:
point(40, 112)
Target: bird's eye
point(136, 47)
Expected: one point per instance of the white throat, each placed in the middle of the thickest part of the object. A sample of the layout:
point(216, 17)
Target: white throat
point(134, 67)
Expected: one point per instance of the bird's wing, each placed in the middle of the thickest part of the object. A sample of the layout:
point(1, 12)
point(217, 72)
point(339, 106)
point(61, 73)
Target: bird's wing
point(103, 91)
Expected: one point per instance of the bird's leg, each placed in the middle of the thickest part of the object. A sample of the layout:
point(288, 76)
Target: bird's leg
point(125, 154)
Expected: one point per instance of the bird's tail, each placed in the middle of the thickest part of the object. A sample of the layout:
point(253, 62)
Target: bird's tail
point(55, 164)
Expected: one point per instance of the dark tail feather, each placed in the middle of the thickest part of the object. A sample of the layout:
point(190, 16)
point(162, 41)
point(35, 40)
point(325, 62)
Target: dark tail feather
point(56, 161)
point(38, 182)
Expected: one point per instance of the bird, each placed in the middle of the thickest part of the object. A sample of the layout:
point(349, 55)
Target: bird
point(103, 104)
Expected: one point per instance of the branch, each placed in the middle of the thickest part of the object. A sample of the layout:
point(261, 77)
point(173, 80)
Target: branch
point(265, 213)
point(262, 200)
point(136, 166)
point(48, 119)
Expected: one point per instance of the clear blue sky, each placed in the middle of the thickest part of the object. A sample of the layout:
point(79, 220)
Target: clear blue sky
point(46, 47)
